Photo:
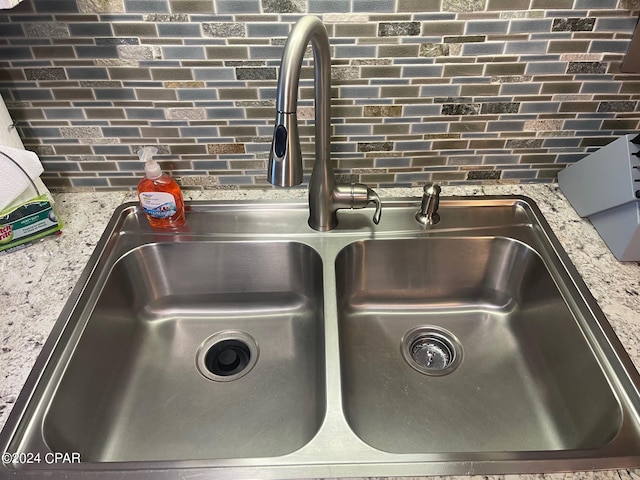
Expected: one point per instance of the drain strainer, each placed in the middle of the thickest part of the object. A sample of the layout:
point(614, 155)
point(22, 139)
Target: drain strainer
point(431, 350)
point(227, 356)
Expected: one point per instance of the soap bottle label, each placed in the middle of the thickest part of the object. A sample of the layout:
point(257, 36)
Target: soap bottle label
point(158, 204)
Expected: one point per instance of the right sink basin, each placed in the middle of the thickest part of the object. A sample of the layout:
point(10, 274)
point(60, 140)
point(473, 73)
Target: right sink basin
point(465, 344)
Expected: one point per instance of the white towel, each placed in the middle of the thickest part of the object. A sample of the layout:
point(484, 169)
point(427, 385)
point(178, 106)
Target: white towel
point(13, 181)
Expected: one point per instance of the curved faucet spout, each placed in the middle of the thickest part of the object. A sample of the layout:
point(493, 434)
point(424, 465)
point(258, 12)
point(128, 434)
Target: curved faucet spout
point(285, 162)
point(285, 159)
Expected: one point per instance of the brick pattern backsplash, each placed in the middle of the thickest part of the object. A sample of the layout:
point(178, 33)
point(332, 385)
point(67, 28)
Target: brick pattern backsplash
point(422, 90)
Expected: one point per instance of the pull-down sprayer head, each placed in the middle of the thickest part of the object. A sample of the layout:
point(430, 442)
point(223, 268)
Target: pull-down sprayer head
point(285, 160)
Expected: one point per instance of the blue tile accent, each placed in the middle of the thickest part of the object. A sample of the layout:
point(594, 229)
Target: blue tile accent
point(343, 147)
point(530, 25)
point(189, 94)
point(268, 30)
point(419, 146)
point(583, 124)
point(482, 48)
point(347, 129)
point(101, 51)
point(422, 110)
point(90, 182)
point(64, 113)
point(114, 17)
point(430, 127)
point(60, 6)
point(467, 80)
point(623, 24)
point(115, 94)
point(38, 132)
point(121, 132)
point(184, 52)
point(599, 4)
point(377, 6)
point(92, 104)
point(93, 29)
point(28, 94)
point(520, 88)
point(14, 53)
point(108, 149)
point(393, 162)
point(500, 159)
point(62, 166)
point(413, 177)
point(423, 71)
point(237, 6)
point(329, 6)
point(464, 160)
point(601, 87)
point(505, 126)
point(483, 27)
point(438, 90)
point(147, 6)
point(355, 51)
point(87, 73)
point(219, 74)
point(210, 164)
point(562, 142)
point(609, 46)
point(145, 113)
point(435, 16)
point(539, 107)
point(389, 81)
point(11, 30)
point(359, 92)
point(519, 174)
point(171, 29)
point(545, 68)
point(260, 52)
point(525, 47)
point(224, 113)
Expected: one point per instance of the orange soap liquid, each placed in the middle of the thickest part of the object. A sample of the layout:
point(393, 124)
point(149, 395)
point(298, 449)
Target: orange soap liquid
point(163, 184)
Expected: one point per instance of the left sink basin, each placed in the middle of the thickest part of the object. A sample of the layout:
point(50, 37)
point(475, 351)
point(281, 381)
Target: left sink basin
point(217, 344)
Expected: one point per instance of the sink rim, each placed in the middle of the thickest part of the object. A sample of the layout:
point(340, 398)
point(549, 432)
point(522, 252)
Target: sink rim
point(336, 462)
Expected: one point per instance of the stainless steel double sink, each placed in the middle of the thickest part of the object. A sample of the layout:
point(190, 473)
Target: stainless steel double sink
point(247, 345)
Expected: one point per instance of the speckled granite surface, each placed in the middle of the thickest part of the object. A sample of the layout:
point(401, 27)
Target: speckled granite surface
point(36, 282)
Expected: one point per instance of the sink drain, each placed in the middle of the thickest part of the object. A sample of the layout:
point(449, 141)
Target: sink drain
point(227, 356)
point(431, 350)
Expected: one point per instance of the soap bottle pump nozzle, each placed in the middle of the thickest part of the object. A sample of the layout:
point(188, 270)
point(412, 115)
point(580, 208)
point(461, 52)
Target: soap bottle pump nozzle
point(152, 168)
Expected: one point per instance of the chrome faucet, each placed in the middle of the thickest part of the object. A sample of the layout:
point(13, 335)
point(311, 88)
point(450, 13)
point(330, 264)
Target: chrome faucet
point(326, 196)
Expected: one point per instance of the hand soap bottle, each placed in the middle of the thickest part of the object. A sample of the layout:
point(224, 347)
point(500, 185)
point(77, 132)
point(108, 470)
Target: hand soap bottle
point(159, 194)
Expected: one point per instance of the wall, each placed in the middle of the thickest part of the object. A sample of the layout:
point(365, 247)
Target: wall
point(445, 90)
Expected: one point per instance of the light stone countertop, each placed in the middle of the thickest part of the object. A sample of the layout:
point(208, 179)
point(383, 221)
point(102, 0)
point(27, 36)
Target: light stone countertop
point(36, 282)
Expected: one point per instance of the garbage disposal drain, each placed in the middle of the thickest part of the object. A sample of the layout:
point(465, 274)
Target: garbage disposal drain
point(227, 355)
point(431, 350)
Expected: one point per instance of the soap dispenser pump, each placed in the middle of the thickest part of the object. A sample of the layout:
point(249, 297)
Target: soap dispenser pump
point(159, 194)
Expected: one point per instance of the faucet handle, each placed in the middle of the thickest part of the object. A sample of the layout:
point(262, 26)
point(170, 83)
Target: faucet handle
point(357, 195)
point(372, 197)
